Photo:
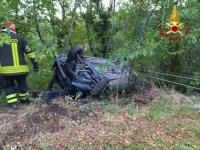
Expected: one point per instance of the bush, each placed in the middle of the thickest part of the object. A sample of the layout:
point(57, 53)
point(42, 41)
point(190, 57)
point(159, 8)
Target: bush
point(40, 80)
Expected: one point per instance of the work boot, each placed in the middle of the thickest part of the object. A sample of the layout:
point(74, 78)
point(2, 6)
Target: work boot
point(14, 105)
point(27, 100)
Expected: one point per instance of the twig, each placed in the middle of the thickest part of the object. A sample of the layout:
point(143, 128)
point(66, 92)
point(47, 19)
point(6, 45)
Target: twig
point(118, 85)
point(20, 145)
point(94, 112)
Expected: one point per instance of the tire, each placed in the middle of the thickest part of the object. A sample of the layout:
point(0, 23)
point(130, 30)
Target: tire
point(74, 51)
point(98, 89)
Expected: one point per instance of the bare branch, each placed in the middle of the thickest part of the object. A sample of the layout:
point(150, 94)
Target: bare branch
point(123, 30)
point(111, 34)
point(63, 9)
point(37, 25)
point(164, 14)
point(76, 5)
point(146, 21)
point(136, 23)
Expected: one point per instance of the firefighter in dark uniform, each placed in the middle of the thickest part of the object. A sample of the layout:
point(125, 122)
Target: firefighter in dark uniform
point(13, 67)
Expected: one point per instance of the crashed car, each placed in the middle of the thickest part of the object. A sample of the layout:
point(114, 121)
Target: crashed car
point(75, 73)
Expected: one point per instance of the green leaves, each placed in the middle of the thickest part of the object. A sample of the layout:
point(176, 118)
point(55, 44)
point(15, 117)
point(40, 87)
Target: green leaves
point(4, 11)
point(45, 24)
point(191, 38)
point(132, 51)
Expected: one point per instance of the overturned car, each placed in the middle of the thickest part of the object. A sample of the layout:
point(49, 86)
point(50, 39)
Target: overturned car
point(75, 73)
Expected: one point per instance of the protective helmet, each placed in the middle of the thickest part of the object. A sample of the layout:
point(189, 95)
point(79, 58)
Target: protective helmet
point(10, 25)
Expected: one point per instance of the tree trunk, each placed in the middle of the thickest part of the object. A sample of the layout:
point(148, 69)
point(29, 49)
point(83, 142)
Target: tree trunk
point(71, 25)
point(146, 22)
point(37, 24)
point(136, 24)
point(89, 41)
point(111, 34)
point(123, 30)
point(164, 14)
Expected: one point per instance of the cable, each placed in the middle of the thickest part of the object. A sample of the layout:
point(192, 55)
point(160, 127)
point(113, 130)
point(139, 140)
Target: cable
point(174, 82)
point(175, 75)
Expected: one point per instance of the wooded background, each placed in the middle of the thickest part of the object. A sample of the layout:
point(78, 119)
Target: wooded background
point(126, 31)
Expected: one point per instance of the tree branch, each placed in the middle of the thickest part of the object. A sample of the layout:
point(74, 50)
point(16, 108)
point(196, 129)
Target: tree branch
point(145, 24)
point(72, 23)
point(37, 25)
point(137, 20)
point(63, 10)
point(111, 34)
point(164, 13)
point(123, 30)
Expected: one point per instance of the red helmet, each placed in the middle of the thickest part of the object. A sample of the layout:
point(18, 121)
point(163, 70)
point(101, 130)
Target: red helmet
point(9, 24)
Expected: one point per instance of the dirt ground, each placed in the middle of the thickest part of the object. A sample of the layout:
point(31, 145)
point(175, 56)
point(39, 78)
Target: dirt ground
point(26, 127)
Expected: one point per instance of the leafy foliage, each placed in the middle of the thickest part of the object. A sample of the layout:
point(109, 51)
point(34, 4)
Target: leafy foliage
point(136, 40)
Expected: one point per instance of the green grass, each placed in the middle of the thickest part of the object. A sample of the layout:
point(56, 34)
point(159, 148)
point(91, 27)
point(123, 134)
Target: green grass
point(2, 98)
point(131, 109)
point(175, 118)
point(133, 146)
point(113, 109)
point(193, 129)
point(162, 109)
point(180, 124)
point(187, 110)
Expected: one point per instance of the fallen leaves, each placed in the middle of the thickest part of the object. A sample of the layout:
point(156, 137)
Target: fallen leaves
point(56, 126)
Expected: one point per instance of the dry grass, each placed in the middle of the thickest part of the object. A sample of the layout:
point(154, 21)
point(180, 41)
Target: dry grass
point(57, 125)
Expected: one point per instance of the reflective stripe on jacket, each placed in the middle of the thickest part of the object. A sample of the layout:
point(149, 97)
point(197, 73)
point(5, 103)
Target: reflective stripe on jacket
point(12, 60)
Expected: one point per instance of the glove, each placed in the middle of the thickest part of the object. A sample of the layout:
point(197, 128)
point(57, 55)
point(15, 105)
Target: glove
point(36, 67)
point(35, 64)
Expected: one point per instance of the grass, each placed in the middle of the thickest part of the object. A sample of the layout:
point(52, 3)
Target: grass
point(2, 98)
point(193, 129)
point(113, 109)
point(42, 78)
point(166, 124)
point(167, 118)
point(131, 108)
point(133, 146)
point(162, 109)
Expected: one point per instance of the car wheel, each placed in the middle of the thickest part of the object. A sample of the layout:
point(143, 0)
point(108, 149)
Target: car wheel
point(99, 87)
point(74, 51)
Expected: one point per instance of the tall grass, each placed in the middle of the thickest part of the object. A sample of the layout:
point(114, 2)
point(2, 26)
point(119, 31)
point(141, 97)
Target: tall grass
point(40, 80)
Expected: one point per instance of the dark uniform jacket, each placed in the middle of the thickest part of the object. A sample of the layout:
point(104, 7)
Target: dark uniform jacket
point(12, 60)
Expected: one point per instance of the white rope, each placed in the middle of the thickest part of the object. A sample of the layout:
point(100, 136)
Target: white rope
point(175, 75)
point(175, 82)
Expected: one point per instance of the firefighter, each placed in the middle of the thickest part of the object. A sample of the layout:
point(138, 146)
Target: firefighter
point(13, 66)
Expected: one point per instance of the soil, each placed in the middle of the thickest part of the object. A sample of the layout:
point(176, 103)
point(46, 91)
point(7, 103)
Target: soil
point(32, 121)
point(29, 121)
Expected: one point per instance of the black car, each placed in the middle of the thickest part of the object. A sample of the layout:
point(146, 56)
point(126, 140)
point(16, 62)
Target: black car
point(72, 73)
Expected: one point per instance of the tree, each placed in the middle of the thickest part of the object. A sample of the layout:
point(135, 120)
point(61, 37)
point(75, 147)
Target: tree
point(126, 31)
